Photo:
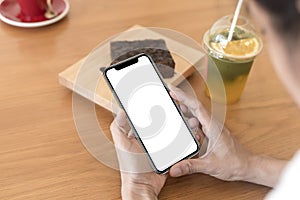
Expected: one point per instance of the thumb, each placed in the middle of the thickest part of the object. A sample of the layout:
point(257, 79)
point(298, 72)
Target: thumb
point(186, 167)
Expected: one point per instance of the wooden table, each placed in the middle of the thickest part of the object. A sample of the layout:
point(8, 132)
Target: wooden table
point(41, 156)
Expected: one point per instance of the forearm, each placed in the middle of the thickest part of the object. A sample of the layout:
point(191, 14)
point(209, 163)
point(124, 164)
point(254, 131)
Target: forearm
point(264, 170)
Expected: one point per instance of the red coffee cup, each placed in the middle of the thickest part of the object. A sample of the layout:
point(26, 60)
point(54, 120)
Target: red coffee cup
point(33, 10)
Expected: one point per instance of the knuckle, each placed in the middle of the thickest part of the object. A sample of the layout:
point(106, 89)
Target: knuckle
point(189, 167)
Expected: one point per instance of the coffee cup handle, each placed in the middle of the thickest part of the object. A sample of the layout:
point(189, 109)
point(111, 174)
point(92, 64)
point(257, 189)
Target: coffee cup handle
point(50, 13)
point(49, 4)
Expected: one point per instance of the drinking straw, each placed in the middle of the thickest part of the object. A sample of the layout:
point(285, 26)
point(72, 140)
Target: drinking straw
point(235, 18)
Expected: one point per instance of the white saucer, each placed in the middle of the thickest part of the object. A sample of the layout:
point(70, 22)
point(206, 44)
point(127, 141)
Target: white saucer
point(10, 18)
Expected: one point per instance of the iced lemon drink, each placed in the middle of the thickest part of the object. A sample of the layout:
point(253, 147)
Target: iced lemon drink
point(233, 60)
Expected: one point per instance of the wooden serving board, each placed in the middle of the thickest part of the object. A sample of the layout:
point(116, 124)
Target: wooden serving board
point(85, 78)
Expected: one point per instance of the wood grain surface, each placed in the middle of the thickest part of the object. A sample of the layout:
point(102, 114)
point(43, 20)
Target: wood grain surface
point(41, 156)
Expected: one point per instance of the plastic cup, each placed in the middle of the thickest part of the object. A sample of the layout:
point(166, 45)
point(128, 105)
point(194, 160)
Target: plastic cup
point(233, 58)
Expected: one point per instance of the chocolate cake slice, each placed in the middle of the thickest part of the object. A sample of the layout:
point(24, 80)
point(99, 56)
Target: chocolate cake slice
point(156, 49)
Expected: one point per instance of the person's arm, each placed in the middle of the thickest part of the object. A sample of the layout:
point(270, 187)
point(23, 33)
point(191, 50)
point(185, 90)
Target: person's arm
point(228, 159)
point(264, 170)
point(137, 192)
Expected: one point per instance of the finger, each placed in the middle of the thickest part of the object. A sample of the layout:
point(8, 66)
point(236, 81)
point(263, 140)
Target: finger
point(183, 108)
point(191, 102)
point(193, 123)
point(122, 141)
point(185, 105)
point(121, 118)
point(121, 121)
point(193, 105)
point(186, 112)
point(131, 134)
point(172, 94)
point(120, 136)
point(186, 167)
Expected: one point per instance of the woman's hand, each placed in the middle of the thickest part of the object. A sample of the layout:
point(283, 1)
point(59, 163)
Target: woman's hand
point(135, 185)
point(227, 160)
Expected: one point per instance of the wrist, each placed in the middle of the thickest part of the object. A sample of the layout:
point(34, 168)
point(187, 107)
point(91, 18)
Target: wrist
point(263, 170)
point(138, 191)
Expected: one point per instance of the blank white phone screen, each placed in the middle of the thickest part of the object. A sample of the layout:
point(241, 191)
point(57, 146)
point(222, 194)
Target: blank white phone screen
point(152, 112)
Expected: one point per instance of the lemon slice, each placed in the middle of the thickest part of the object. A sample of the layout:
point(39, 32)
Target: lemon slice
point(243, 48)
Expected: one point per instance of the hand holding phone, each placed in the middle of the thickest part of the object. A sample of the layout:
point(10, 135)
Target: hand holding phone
point(152, 113)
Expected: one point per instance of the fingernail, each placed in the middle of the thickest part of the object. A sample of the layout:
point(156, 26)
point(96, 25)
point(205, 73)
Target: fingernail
point(176, 172)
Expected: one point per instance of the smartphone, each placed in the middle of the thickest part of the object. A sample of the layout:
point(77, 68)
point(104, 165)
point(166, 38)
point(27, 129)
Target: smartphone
point(153, 115)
